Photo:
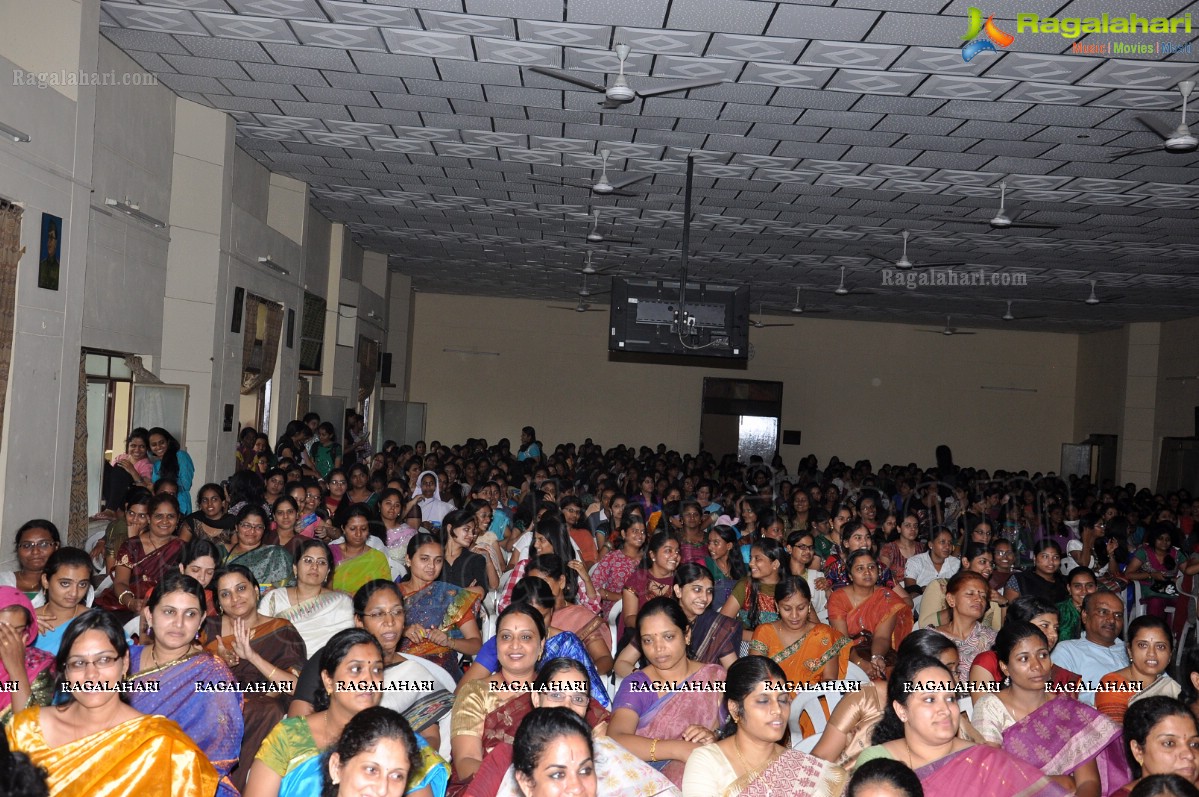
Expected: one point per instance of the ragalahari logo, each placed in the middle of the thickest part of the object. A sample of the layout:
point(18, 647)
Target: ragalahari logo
point(993, 35)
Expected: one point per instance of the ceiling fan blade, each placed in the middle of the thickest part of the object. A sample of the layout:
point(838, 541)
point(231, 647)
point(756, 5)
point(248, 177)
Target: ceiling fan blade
point(815, 310)
point(933, 265)
point(626, 183)
point(1029, 318)
point(955, 332)
point(561, 181)
point(622, 193)
point(1137, 151)
point(569, 77)
point(612, 241)
point(1164, 131)
point(685, 85)
point(768, 326)
point(933, 331)
point(609, 105)
point(880, 258)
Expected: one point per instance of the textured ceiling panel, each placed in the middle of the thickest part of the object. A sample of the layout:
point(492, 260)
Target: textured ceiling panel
point(832, 126)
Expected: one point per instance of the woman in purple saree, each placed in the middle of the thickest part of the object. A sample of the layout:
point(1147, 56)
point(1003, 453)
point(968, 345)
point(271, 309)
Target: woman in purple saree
point(665, 711)
point(1067, 740)
point(922, 733)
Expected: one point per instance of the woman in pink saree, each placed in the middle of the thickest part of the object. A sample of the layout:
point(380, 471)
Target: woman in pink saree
point(673, 706)
point(1069, 741)
point(923, 734)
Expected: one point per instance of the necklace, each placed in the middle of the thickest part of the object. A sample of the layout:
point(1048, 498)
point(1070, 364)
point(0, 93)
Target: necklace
point(157, 664)
point(751, 771)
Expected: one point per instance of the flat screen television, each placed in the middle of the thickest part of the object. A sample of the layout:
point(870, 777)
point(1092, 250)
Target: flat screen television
point(645, 319)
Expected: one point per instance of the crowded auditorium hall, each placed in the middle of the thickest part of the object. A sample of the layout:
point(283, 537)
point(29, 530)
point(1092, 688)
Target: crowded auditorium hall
point(599, 398)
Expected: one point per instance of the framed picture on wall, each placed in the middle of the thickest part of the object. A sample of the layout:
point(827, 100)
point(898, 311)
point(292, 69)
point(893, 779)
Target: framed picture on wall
point(51, 253)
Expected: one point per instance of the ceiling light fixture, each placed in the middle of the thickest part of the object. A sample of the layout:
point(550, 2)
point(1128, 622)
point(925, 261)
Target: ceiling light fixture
point(1008, 389)
point(19, 136)
point(133, 212)
point(272, 265)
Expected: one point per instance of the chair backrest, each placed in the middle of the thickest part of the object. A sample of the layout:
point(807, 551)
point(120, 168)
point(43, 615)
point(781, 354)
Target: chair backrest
point(613, 616)
point(809, 703)
point(855, 673)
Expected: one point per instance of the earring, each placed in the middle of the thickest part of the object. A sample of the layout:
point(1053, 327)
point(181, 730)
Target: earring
point(736, 719)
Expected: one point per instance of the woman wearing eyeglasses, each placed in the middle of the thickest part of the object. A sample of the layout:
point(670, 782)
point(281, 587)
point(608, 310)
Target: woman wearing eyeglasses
point(36, 541)
point(97, 743)
point(316, 611)
point(271, 564)
point(378, 608)
point(874, 616)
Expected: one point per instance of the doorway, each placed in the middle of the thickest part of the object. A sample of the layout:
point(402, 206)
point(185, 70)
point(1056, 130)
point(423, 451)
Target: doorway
point(741, 417)
point(109, 401)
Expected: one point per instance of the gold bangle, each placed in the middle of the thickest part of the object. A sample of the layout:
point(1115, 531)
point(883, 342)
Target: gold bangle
point(274, 669)
point(653, 751)
point(120, 598)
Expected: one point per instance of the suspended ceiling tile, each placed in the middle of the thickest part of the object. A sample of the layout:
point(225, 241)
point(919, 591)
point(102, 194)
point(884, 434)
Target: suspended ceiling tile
point(346, 37)
point(855, 55)
point(432, 44)
point(963, 88)
point(158, 20)
point(1141, 75)
point(520, 53)
point(871, 82)
point(813, 22)
point(785, 75)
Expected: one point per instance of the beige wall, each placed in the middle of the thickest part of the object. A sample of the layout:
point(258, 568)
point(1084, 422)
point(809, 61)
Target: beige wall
point(1099, 389)
point(882, 391)
point(1178, 379)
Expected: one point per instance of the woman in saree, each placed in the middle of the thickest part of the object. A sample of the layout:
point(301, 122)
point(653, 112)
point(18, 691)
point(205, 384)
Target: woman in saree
point(558, 643)
point(520, 643)
point(261, 651)
point(874, 617)
point(852, 722)
point(1150, 651)
point(270, 564)
point(1160, 738)
point(1069, 741)
point(579, 620)
point(29, 671)
point(66, 580)
point(724, 561)
point(807, 651)
point(614, 569)
point(550, 535)
point(316, 611)
point(143, 560)
point(966, 595)
point(715, 639)
point(95, 743)
point(352, 655)
point(134, 519)
point(36, 542)
point(1026, 609)
point(978, 558)
point(653, 579)
point(441, 618)
point(376, 749)
point(752, 600)
point(211, 521)
point(560, 683)
point(750, 758)
point(357, 562)
point(920, 729)
point(175, 664)
point(660, 726)
point(856, 537)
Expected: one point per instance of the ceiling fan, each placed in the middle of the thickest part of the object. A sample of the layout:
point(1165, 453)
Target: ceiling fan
point(601, 186)
point(800, 309)
point(1093, 299)
point(618, 92)
point(1002, 221)
point(948, 331)
point(581, 307)
point(586, 292)
point(903, 264)
point(761, 324)
point(596, 237)
point(590, 269)
point(1009, 316)
point(1178, 140)
point(845, 290)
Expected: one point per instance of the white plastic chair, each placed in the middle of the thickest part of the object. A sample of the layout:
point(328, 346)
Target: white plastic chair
point(613, 616)
point(855, 673)
point(967, 706)
point(810, 704)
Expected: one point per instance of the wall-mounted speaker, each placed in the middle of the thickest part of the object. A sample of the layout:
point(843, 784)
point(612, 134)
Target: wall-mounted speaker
point(385, 368)
point(791, 437)
point(291, 327)
point(239, 300)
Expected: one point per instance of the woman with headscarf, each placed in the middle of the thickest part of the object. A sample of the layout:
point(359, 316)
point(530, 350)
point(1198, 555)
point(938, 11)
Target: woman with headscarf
point(27, 669)
point(432, 508)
